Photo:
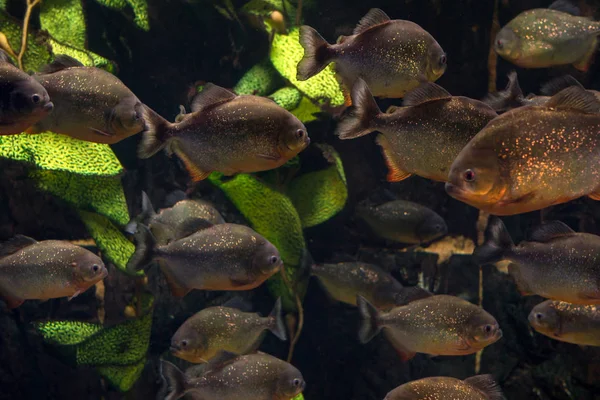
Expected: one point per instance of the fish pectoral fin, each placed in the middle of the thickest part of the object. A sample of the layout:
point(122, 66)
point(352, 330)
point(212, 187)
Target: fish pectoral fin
point(195, 172)
point(12, 302)
point(77, 293)
point(404, 353)
point(595, 195)
point(240, 281)
point(101, 133)
point(269, 157)
point(395, 173)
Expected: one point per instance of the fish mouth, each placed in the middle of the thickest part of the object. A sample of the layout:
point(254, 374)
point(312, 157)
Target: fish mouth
point(104, 274)
point(454, 190)
point(48, 107)
point(174, 349)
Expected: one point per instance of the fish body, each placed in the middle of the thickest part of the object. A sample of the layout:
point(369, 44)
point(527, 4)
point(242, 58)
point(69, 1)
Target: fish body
point(218, 257)
point(479, 387)
point(439, 325)
point(214, 329)
point(23, 100)
point(430, 119)
point(542, 38)
point(571, 323)
point(404, 221)
point(46, 270)
point(228, 133)
point(392, 56)
point(344, 281)
point(532, 157)
point(89, 103)
point(230, 377)
point(556, 263)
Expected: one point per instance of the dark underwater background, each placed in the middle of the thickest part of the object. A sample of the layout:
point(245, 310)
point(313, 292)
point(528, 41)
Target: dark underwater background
point(190, 41)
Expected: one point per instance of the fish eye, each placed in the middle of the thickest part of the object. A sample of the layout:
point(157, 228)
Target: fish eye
point(443, 59)
point(296, 382)
point(437, 227)
point(539, 316)
point(500, 44)
point(300, 133)
point(184, 343)
point(469, 175)
point(36, 98)
point(274, 260)
point(95, 268)
point(487, 329)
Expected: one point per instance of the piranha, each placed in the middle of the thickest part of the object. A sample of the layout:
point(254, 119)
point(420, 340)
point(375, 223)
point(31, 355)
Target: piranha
point(23, 101)
point(231, 377)
point(31, 270)
point(392, 56)
point(89, 103)
point(532, 157)
point(404, 221)
point(227, 133)
point(179, 221)
point(556, 262)
point(479, 387)
point(437, 325)
point(344, 281)
point(571, 323)
point(547, 37)
point(430, 119)
point(214, 329)
point(216, 257)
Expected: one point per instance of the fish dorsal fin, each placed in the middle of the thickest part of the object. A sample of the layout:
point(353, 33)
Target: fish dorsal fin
point(574, 98)
point(211, 95)
point(428, 91)
point(190, 227)
point(555, 85)
point(221, 360)
point(238, 303)
point(550, 230)
point(486, 385)
point(147, 208)
point(4, 57)
point(510, 97)
point(410, 294)
point(565, 6)
point(15, 244)
point(61, 62)
point(374, 17)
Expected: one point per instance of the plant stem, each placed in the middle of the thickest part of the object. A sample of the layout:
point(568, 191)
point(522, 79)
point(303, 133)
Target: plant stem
point(296, 335)
point(299, 13)
point(492, 56)
point(30, 5)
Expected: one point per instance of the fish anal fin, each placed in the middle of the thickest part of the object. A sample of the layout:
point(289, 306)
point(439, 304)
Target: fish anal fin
point(486, 385)
point(222, 359)
point(550, 230)
point(574, 98)
point(404, 353)
point(238, 303)
point(586, 61)
point(196, 173)
point(210, 96)
point(595, 195)
point(426, 92)
point(395, 173)
point(12, 302)
point(374, 17)
point(522, 286)
point(176, 289)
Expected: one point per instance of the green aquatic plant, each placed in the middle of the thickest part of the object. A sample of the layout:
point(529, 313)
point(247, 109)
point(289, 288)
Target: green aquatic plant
point(260, 80)
point(117, 352)
point(287, 97)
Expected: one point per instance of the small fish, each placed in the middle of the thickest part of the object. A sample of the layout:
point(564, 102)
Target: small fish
point(217, 257)
point(392, 56)
point(571, 323)
point(89, 103)
point(437, 325)
point(344, 281)
point(230, 377)
point(227, 133)
point(23, 101)
point(206, 333)
point(31, 270)
point(183, 219)
point(430, 119)
point(532, 157)
point(404, 221)
point(547, 37)
point(556, 262)
point(479, 387)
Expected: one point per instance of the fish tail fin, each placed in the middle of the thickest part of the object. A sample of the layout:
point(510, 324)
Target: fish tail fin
point(155, 135)
point(143, 217)
point(144, 249)
point(370, 320)
point(173, 381)
point(276, 321)
point(361, 117)
point(497, 243)
point(317, 53)
point(510, 97)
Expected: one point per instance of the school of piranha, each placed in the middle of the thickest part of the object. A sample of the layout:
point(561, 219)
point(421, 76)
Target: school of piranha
point(506, 154)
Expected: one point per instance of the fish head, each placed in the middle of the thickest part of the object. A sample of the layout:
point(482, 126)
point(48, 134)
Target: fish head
point(431, 228)
point(189, 345)
point(436, 62)
point(28, 97)
point(266, 260)
point(293, 137)
point(89, 268)
point(482, 330)
point(290, 383)
point(126, 118)
point(544, 318)
point(508, 45)
point(475, 176)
